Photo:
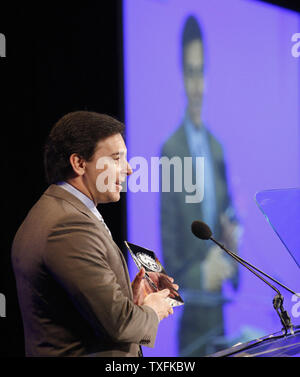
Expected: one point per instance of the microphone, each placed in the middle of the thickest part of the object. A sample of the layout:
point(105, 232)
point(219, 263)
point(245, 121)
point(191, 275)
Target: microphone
point(202, 230)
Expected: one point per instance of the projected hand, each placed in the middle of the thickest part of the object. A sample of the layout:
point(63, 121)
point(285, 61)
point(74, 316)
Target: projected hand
point(216, 268)
point(230, 234)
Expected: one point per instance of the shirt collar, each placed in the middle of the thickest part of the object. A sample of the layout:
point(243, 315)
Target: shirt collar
point(79, 195)
point(85, 200)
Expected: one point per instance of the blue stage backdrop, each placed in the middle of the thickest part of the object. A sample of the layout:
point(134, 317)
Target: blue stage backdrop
point(251, 104)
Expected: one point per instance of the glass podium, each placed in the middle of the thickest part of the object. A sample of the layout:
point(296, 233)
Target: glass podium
point(281, 207)
point(282, 210)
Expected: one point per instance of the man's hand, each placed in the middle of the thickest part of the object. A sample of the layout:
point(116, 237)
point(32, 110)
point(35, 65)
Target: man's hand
point(141, 287)
point(157, 301)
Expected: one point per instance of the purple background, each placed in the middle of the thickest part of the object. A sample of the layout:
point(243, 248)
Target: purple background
point(252, 107)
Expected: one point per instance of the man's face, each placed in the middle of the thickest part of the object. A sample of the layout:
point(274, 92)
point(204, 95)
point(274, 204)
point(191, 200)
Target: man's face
point(193, 79)
point(106, 171)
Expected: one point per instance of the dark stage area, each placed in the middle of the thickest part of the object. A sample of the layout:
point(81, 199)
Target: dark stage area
point(59, 59)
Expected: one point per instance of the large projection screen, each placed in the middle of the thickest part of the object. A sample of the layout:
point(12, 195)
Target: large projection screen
point(250, 104)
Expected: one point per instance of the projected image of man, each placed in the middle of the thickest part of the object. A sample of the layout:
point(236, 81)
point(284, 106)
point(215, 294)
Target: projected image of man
point(198, 267)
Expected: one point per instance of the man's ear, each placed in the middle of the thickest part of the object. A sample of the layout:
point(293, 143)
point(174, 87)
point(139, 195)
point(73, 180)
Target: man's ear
point(77, 163)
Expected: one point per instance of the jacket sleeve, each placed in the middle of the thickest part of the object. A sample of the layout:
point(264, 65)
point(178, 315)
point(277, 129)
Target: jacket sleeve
point(76, 256)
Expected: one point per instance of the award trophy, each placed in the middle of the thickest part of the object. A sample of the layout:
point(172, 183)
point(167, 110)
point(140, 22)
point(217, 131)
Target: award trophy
point(146, 258)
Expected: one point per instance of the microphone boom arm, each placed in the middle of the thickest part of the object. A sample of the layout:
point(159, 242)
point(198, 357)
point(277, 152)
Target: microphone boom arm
point(278, 299)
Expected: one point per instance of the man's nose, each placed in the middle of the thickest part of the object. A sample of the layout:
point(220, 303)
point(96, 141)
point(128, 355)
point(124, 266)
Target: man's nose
point(129, 169)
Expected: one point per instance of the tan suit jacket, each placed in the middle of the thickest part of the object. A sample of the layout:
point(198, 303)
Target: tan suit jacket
point(73, 285)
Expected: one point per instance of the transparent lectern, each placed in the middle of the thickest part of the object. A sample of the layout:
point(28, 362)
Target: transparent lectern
point(281, 207)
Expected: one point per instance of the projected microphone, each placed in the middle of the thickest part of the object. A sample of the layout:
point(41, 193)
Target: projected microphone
point(203, 231)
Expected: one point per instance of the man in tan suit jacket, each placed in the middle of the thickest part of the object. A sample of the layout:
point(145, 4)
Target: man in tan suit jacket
point(74, 291)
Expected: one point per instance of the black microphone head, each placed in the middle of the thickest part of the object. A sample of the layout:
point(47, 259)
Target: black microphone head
point(201, 230)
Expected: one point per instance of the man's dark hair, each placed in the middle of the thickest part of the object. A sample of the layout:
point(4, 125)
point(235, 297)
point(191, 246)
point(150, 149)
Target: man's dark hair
point(77, 132)
point(191, 32)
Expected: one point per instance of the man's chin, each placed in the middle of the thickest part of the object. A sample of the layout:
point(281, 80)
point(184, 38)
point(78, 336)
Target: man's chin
point(110, 197)
point(197, 122)
point(115, 197)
